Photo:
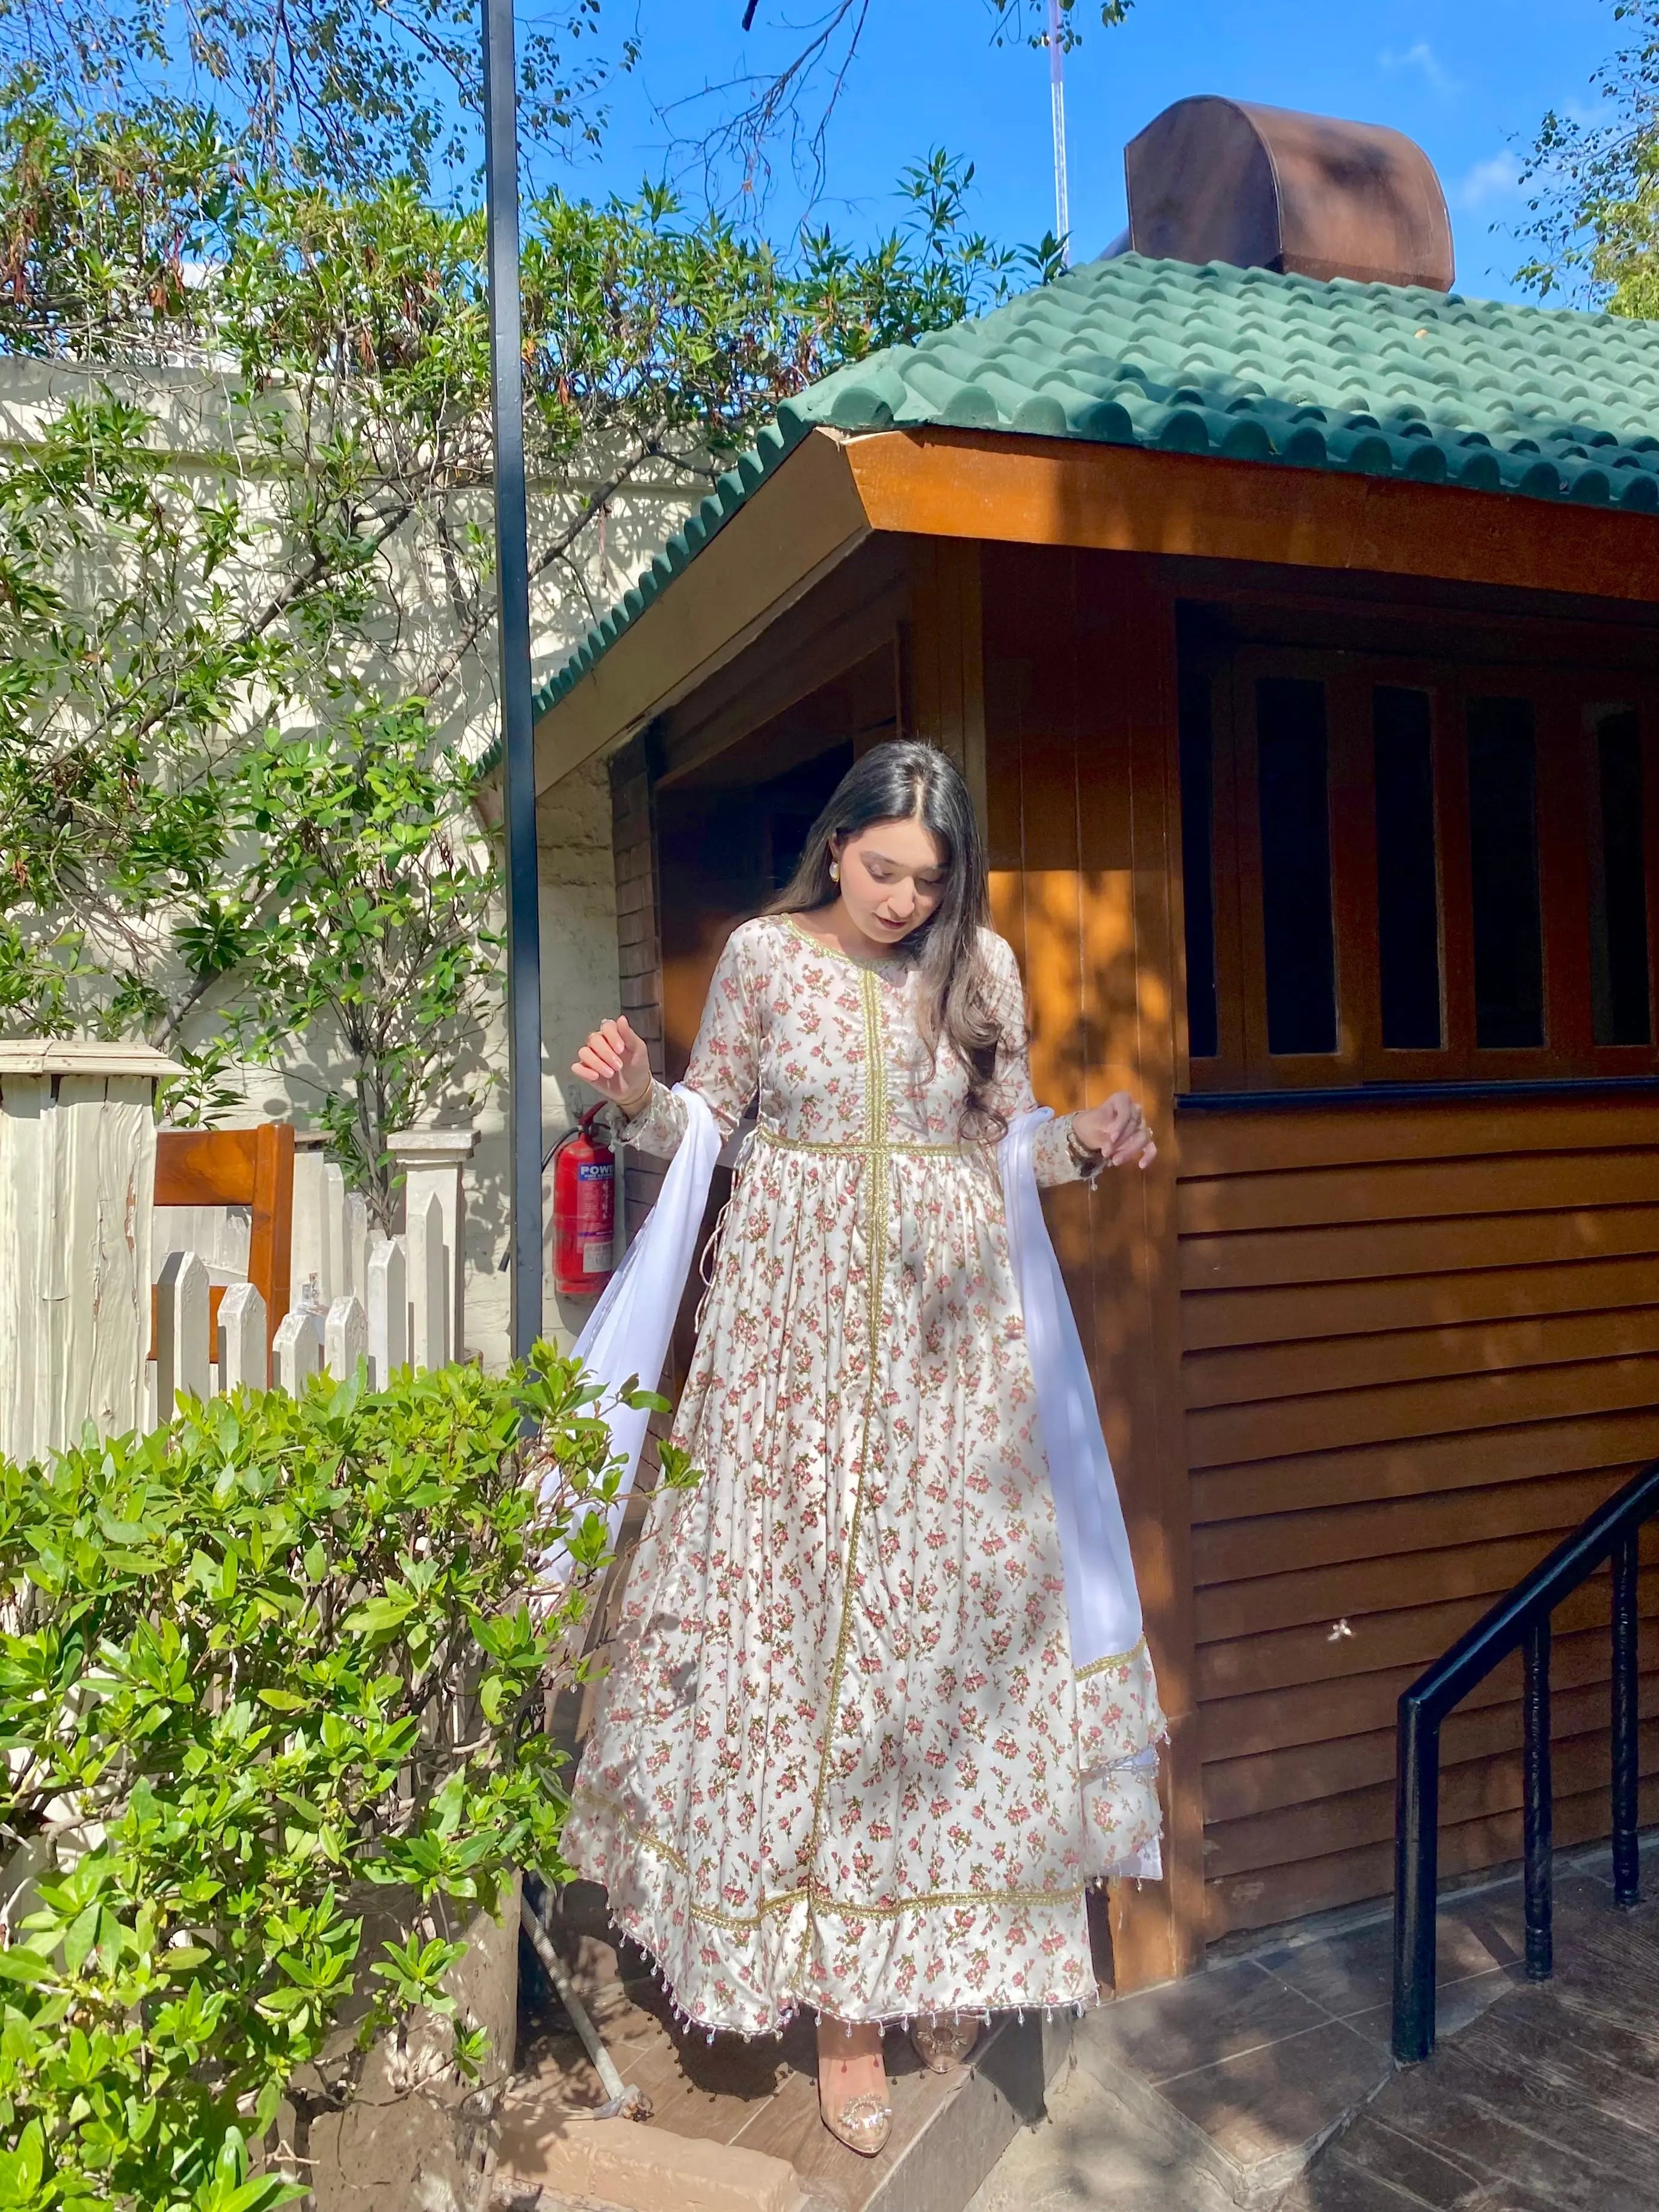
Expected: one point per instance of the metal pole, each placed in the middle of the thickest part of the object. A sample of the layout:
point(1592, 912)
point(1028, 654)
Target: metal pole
point(1538, 1809)
point(1626, 1753)
point(1057, 105)
point(1416, 1880)
point(524, 959)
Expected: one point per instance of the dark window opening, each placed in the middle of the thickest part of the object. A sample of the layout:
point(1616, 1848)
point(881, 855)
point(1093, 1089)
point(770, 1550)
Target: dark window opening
point(790, 805)
point(1407, 890)
point(1619, 886)
point(1298, 941)
point(1508, 939)
point(1197, 864)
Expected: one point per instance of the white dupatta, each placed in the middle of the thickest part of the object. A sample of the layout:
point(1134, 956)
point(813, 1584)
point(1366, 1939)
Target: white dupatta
point(1102, 1603)
point(627, 1337)
point(628, 1332)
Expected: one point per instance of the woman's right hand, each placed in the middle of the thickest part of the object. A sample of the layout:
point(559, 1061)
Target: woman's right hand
point(617, 1066)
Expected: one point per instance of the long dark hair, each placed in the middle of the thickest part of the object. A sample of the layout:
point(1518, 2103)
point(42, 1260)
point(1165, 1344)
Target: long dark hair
point(904, 780)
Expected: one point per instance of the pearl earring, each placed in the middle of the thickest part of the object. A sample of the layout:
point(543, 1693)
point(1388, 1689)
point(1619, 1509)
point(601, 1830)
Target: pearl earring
point(834, 872)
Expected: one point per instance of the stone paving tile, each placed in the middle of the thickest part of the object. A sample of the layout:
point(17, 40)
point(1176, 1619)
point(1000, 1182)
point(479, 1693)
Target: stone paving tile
point(1455, 2005)
point(1090, 2152)
point(1188, 2026)
point(1353, 1971)
point(1281, 2098)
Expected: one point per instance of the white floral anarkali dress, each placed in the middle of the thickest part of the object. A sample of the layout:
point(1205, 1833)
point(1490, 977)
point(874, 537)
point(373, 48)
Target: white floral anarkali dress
point(841, 1759)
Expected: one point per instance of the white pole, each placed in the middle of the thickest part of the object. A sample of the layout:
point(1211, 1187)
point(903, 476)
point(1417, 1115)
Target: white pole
point(1057, 102)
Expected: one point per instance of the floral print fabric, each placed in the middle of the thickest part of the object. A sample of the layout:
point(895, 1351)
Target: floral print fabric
point(841, 1759)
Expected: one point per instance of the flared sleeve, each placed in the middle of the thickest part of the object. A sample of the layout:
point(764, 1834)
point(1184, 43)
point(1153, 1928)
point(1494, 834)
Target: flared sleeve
point(724, 1064)
point(1053, 1155)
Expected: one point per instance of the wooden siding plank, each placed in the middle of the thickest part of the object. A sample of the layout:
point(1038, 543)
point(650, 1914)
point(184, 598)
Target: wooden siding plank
point(1220, 1320)
point(1355, 1591)
point(1230, 1552)
point(1293, 1657)
point(1280, 1893)
point(1252, 1374)
point(1417, 1190)
point(1320, 1712)
point(1419, 1468)
point(1473, 1790)
point(1262, 1258)
point(1340, 1420)
point(1240, 1140)
point(1235, 1788)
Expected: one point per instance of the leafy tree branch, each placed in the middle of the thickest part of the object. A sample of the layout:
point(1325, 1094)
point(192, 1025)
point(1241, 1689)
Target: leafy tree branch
point(1593, 202)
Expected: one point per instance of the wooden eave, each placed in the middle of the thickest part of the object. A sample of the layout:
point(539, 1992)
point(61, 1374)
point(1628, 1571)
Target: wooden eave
point(835, 491)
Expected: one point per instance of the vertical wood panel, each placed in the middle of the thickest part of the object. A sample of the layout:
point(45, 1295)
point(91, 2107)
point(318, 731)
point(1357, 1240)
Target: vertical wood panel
point(1563, 872)
point(1080, 691)
point(1130, 716)
point(947, 664)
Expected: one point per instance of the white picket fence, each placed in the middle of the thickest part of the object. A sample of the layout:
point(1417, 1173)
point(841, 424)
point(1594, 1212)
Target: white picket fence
point(354, 1293)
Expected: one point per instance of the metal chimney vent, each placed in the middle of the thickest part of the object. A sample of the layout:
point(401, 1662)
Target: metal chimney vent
point(1213, 180)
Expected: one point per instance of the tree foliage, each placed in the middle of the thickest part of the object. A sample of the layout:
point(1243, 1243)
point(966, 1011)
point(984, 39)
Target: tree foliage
point(1028, 20)
point(339, 92)
point(1594, 186)
point(237, 819)
point(218, 833)
point(255, 1668)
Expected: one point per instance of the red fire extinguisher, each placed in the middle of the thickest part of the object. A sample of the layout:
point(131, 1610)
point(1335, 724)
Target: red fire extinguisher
point(584, 1210)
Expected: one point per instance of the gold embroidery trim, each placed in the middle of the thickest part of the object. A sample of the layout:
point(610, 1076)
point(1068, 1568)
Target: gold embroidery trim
point(875, 1153)
point(853, 1149)
point(1112, 1659)
point(872, 967)
point(739, 1922)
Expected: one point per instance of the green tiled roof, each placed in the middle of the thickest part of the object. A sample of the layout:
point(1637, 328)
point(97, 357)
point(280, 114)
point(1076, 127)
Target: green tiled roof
point(1376, 379)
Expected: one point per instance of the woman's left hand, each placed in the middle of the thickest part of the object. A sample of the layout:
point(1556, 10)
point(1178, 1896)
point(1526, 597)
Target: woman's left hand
point(1117, 1131)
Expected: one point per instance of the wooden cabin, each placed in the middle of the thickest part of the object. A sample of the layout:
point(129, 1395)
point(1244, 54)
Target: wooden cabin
point(1299, 637)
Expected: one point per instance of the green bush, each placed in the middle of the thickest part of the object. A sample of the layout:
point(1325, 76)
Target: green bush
point(251, 1664)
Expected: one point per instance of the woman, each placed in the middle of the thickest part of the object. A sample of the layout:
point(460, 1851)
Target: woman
point(842, 1758)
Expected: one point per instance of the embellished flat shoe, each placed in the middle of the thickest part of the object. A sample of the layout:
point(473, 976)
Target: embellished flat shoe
point(863, 2123)
point(853, 2100)
point(945, 2045)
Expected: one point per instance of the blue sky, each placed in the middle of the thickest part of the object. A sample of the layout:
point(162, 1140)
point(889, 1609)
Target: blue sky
point(1468, 79)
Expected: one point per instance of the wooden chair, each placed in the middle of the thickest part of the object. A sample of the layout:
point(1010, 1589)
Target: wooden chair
point(237, 1167)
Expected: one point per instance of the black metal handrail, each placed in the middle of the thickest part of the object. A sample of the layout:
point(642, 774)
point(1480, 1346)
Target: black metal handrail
point(1520, 1621)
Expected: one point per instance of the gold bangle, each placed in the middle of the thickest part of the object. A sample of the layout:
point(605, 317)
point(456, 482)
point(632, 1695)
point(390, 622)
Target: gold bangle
point(633, 1113)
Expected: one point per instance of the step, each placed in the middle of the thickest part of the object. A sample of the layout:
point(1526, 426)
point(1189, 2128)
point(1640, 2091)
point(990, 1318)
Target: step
point(733, 2125)
point(949, 2131)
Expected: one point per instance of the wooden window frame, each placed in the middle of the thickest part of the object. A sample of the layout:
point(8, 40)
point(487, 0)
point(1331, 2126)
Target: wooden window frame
point(1567, 707)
